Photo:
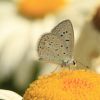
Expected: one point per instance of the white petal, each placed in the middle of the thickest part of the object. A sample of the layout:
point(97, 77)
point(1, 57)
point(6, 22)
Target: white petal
point(9, 95)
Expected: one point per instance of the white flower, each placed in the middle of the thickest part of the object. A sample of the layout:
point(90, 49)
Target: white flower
point(9, 95)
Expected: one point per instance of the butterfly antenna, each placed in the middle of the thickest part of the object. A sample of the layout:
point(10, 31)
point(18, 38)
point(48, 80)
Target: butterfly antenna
point(55, 69)
point(82, 64)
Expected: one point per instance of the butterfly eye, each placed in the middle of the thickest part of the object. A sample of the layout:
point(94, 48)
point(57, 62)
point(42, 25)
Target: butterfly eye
point(74, 62)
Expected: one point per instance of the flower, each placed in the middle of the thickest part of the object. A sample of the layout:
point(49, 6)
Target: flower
point(65, 85)
point(9, 95)
point(38, 8)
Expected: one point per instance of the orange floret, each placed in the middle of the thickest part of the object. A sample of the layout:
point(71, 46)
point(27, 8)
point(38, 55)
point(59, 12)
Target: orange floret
point(65, 85)
point(39, 8)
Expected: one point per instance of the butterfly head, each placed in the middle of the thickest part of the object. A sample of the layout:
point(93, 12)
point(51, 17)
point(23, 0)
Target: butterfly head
point(68, 62)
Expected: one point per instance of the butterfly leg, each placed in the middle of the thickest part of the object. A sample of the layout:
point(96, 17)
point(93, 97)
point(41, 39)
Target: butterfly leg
point(56, 69)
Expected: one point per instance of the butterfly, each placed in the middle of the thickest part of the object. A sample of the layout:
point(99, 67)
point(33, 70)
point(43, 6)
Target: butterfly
point(57, 46)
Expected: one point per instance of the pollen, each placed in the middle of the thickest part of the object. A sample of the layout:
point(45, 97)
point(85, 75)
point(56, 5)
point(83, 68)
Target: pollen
point(65, 85)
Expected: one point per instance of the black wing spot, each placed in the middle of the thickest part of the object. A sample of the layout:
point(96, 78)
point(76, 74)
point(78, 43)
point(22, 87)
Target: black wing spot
point(64, 53)
point(63, 32)
point(49, 44)
point(66, 47)
point(61, 45)
point(66, 31)
point(67, 40)
point(61, 35)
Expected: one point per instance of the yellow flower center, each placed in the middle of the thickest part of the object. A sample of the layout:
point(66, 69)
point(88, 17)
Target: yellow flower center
point(65, 85)
point(39, 8)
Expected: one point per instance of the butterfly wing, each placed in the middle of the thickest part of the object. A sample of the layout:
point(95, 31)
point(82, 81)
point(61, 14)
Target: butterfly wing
point(51, 49)
point(64, 31)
